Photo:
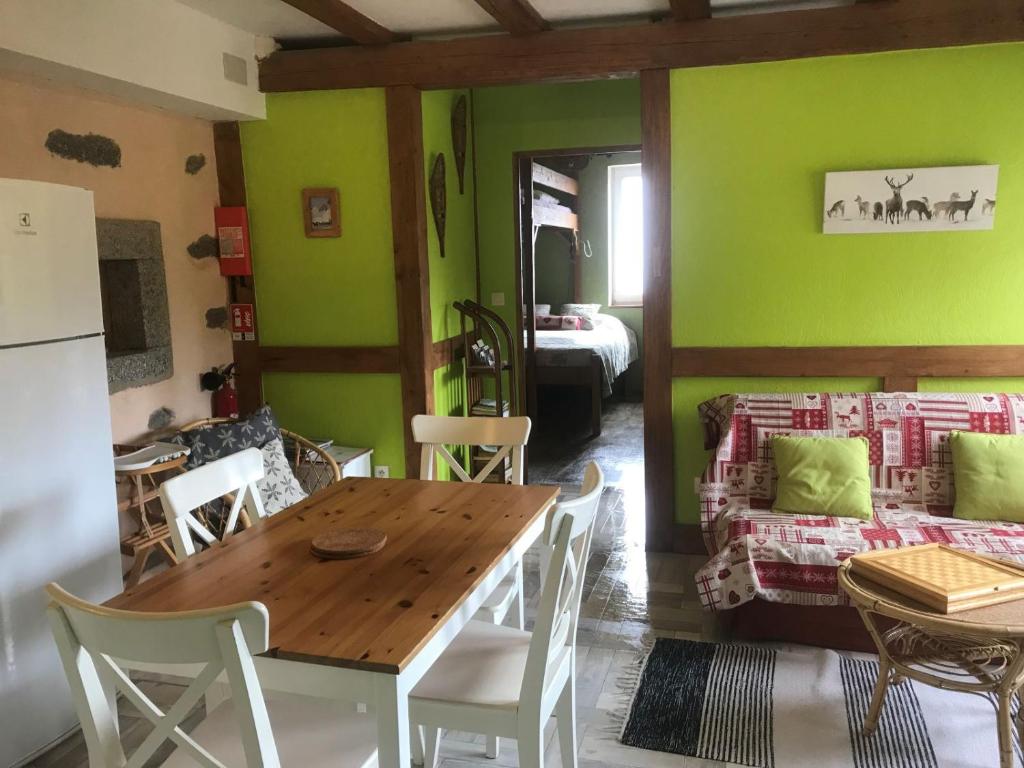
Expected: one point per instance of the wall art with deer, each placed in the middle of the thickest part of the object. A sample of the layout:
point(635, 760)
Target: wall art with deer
point(954, 198)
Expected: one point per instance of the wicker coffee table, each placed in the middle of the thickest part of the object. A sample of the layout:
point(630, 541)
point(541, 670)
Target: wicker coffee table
point(980, 650)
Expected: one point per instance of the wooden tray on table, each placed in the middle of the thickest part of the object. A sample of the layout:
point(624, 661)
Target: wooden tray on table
point(945, 579)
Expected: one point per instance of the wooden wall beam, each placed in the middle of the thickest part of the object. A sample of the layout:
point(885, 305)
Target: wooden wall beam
point(659, 466)
point(346, 20)
point(690, 10)
point(329, 359)
point(412, 273)
point(516, 16)
point(894, 363)
point(227, 146)
point(583, 53)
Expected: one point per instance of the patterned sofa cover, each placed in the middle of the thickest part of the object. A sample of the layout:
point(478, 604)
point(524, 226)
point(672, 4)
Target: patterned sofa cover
point(794, 558)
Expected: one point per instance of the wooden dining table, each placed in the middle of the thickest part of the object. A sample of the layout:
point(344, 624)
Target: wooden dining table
point(366, 629)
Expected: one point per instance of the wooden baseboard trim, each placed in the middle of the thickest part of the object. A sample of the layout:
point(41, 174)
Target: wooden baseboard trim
point(329, 359)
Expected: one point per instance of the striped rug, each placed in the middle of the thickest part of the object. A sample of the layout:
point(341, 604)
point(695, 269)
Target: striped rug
point(796, 708)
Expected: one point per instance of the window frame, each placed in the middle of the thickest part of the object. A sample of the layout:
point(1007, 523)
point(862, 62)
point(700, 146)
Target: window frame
point(615, 175)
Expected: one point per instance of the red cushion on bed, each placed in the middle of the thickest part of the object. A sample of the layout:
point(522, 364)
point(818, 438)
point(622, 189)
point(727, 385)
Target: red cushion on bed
point(559, 323)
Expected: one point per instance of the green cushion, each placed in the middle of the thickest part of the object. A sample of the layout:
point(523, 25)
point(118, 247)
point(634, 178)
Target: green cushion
point(823, 476)
point(988, 471)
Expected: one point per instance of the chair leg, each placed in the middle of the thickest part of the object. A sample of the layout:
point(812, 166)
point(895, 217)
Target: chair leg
point(565, 713)
point(518, 605)
point(531, 745)
point(431, 747)
point(878, 697)
point(416, 743)
point(493, 747)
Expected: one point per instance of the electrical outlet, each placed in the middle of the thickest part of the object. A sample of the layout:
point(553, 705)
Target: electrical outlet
point(382, 470)
point(498, 299)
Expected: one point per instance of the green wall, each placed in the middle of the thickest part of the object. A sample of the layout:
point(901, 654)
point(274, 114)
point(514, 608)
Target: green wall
point(532, 117)
point(750, 148)
point(326, 291)
point(453, 277)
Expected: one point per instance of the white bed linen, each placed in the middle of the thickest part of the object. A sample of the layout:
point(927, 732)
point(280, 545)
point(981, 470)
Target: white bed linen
point(611, 340)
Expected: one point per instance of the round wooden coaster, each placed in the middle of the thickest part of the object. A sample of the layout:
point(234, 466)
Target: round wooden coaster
point(348, 543)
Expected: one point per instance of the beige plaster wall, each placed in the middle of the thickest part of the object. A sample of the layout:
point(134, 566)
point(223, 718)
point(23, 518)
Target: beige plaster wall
point(150, 184)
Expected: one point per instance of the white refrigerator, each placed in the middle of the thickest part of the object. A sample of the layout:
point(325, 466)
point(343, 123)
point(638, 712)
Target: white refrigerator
point(58, 508)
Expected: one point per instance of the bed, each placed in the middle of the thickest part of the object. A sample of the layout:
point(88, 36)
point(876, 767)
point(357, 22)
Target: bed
point(592, 359)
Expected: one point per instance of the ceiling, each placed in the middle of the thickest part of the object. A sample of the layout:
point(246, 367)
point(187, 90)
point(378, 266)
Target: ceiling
point(429, 18)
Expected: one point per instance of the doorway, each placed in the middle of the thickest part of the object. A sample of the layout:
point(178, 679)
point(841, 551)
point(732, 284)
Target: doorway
point(580, 278)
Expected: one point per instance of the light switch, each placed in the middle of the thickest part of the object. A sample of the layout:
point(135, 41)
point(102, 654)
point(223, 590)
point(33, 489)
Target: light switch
point(498, 299)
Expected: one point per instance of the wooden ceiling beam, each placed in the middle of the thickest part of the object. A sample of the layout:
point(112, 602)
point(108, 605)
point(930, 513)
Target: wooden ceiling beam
point(691, 10)
point(580, 54)
point(346, 20)
point(516, 16)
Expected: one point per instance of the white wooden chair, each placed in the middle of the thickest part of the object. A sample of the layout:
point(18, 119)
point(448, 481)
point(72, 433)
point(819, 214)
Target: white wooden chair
point(245, 730)
point(508, 436)
point(234, 475)
point(504, 682)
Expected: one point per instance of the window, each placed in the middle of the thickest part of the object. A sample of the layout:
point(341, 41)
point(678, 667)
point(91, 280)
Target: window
point(625, 235)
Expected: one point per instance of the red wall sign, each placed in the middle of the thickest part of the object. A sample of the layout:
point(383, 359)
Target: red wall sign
point(233, 237)
point(243, 326)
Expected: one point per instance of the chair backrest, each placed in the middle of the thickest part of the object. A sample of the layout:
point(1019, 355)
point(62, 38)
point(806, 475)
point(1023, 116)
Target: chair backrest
point(234, 475)
point(90, 637)
point(508, 435)
point(568, 532)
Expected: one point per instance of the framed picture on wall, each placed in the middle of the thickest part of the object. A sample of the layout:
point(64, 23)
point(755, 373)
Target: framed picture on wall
point(949, 199)
point(321, 212)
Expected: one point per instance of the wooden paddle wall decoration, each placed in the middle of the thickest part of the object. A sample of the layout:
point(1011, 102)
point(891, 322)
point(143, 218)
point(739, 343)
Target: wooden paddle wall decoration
point(438, 199)
point(459, 141)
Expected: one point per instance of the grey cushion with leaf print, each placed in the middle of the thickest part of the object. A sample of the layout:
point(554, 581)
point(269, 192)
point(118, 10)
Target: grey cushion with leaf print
point(215, 441)
point(278, 488)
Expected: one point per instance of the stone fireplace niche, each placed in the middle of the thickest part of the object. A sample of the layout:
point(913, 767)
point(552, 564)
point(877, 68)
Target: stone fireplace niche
point(134, 291)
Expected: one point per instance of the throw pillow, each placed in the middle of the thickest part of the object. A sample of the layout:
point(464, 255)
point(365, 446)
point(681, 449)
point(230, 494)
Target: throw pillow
point(215, 441)
point(559, 323)
point(822, 476)
point(587, 311)
point(988, 474)
point(278, 488)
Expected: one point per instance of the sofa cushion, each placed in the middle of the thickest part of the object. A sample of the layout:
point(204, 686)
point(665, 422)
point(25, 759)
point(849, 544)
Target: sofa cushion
point(278, 489)
point(989, 476)
point(215, 441)
point(822, 476)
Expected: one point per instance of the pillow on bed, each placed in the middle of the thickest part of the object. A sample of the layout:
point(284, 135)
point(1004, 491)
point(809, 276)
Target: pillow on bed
point(587, 311)
point(559, 323)
point(541, 309)
point(823, 476)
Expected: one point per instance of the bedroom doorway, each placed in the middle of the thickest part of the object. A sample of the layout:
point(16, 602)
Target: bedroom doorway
point(580, 277)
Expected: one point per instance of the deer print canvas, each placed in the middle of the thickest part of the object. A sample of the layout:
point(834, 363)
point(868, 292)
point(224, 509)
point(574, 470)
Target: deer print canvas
point(910, 200)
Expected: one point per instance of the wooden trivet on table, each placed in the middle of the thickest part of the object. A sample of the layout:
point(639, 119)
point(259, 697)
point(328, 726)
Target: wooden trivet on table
point(348, 543)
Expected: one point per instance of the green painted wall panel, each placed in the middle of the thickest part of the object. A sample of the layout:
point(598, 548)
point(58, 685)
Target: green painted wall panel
point(326, 291)
point(322, 291)
point(750, 148)
point(454, 276)
point(363, 410)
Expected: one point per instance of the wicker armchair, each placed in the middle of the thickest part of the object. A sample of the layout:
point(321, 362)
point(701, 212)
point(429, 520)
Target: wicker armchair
point(313, 467)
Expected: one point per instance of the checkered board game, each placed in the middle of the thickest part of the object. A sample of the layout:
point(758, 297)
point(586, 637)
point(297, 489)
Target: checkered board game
point(940, 577)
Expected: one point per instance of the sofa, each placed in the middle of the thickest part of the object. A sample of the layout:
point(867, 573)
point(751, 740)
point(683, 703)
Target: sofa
point(760, 560)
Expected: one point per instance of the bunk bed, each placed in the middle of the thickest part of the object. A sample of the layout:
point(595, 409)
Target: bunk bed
point(589, 359)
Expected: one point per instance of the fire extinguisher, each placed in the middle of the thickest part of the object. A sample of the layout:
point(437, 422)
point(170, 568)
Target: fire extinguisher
point(221, 382)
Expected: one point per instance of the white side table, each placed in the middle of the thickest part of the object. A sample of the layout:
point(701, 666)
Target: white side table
point(353, 462)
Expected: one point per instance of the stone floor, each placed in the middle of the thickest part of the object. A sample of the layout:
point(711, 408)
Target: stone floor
point(630, 597)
